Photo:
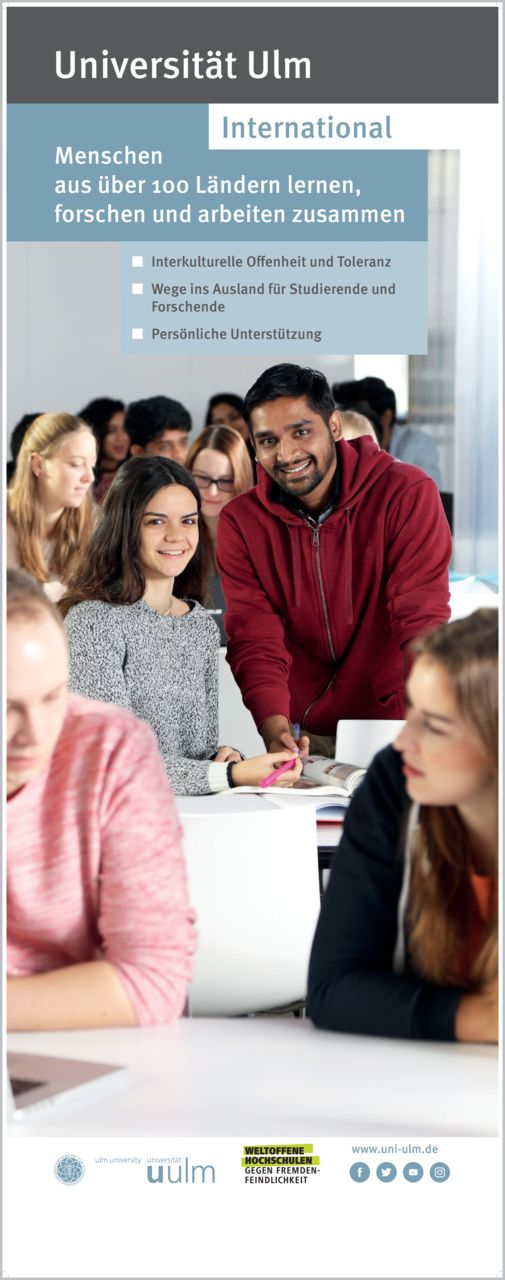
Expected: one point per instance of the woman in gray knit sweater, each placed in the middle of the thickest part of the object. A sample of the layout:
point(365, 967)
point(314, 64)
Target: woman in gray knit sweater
point(138, 643)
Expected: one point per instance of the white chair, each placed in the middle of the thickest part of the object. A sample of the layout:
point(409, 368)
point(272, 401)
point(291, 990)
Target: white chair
point(358, 741)
point(253, 881)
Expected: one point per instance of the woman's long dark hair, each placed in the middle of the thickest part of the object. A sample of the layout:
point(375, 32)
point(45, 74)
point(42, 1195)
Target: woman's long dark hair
point(110, 567)
point(98, 414)
point(227, 397)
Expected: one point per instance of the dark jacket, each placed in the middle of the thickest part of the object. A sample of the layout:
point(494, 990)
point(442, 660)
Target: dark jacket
point(351, 983)
point(318, 613)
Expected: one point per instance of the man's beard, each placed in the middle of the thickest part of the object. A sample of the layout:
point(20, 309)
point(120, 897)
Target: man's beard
point(315, 476)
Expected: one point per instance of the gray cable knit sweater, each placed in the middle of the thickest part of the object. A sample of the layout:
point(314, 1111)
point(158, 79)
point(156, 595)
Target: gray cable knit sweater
point(164, 670)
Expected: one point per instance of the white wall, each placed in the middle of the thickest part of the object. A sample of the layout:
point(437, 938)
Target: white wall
point(63, 331)
point(395, 372)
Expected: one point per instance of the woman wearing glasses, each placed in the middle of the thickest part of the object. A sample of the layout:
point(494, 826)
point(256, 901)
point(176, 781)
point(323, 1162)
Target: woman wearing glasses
point(219, 461)
point(138, 635)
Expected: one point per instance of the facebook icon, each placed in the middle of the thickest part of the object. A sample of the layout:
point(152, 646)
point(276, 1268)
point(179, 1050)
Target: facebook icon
point(359, 1172)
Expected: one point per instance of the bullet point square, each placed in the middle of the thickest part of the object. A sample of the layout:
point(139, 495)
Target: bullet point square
point(137, 288)
point(137, 333)
point(137, 261)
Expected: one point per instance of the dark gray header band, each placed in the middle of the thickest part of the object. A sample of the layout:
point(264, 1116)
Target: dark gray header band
point(157, 54)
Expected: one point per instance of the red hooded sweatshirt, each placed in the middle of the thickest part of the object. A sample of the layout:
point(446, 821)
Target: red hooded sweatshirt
point(317, 616)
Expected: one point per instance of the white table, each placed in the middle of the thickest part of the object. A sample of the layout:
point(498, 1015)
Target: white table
point(253, 1077)
point(469, 594)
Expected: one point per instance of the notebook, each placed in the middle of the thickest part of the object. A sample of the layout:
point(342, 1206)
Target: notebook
point(36, 1082)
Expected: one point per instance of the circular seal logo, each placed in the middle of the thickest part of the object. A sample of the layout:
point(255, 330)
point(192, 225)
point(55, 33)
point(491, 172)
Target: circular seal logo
point(69, 1170)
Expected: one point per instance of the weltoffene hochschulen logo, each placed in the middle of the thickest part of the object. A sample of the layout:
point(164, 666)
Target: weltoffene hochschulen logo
point(275, 1163)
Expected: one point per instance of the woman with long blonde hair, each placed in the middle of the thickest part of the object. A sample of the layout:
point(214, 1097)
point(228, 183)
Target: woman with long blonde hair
point(219, 461)
point(407, 942)
point(49, 506)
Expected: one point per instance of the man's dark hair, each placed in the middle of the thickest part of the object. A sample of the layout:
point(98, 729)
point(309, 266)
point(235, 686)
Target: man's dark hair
point(147, 419)
point(379, 396)
point(372, 390)
point(290, 380)
point(347, 393)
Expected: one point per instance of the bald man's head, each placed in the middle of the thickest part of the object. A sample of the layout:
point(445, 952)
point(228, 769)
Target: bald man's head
point(37, 677)
point(355, 424)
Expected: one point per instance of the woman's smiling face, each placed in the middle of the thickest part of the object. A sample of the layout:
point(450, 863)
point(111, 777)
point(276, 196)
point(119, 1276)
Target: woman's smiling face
point(66, 475)
point(169, 532)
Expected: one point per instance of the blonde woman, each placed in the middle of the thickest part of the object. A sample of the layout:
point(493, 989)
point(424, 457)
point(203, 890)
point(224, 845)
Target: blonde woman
point(407, 939)
point(219, 461)
point(49, 507)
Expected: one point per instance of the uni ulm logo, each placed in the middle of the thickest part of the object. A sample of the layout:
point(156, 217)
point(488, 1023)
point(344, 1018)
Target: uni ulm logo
point(69, 1170)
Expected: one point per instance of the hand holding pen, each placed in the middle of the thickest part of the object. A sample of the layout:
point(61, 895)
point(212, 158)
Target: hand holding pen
point(267, 782)
point(274, 777)
point(277, 736)
point(281, 768)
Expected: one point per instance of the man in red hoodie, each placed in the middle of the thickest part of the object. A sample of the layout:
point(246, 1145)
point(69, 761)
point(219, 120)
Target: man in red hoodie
point(330, 566)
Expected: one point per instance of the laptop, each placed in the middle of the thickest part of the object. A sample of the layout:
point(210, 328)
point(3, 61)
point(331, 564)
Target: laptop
point(36, 1082)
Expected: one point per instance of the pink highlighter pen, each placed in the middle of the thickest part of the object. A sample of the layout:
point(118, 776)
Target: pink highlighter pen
point(267, 782)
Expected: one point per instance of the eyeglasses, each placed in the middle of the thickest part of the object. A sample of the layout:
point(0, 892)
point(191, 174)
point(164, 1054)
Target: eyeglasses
point(206, 482)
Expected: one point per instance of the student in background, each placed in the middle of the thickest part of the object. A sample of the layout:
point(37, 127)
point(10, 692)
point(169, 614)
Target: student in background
point(408, 444)
point(17, 438)
point(99, 930)
point(228, 409)
point(139, 636)
point(158, 426)
point(407, 940)
point(106, 417)
point(330, 567)
point(220, 464)
point(349, 412)
point(49, 506)
point(355, 425)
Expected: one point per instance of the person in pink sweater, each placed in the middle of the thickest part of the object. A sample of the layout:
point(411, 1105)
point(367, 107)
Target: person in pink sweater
point(99, 928)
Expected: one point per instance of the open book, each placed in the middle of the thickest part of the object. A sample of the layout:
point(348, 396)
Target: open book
point(320, 777)
point(343, 778)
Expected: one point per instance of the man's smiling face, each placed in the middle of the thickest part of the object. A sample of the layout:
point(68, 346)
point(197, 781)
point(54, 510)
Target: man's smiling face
point(294, 444)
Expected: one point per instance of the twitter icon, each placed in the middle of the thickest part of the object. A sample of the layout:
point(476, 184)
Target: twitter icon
point(386, 1172)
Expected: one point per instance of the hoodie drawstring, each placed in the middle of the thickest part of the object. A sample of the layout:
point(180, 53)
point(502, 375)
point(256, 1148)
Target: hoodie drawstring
point(349, 616)
point(297, 568)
